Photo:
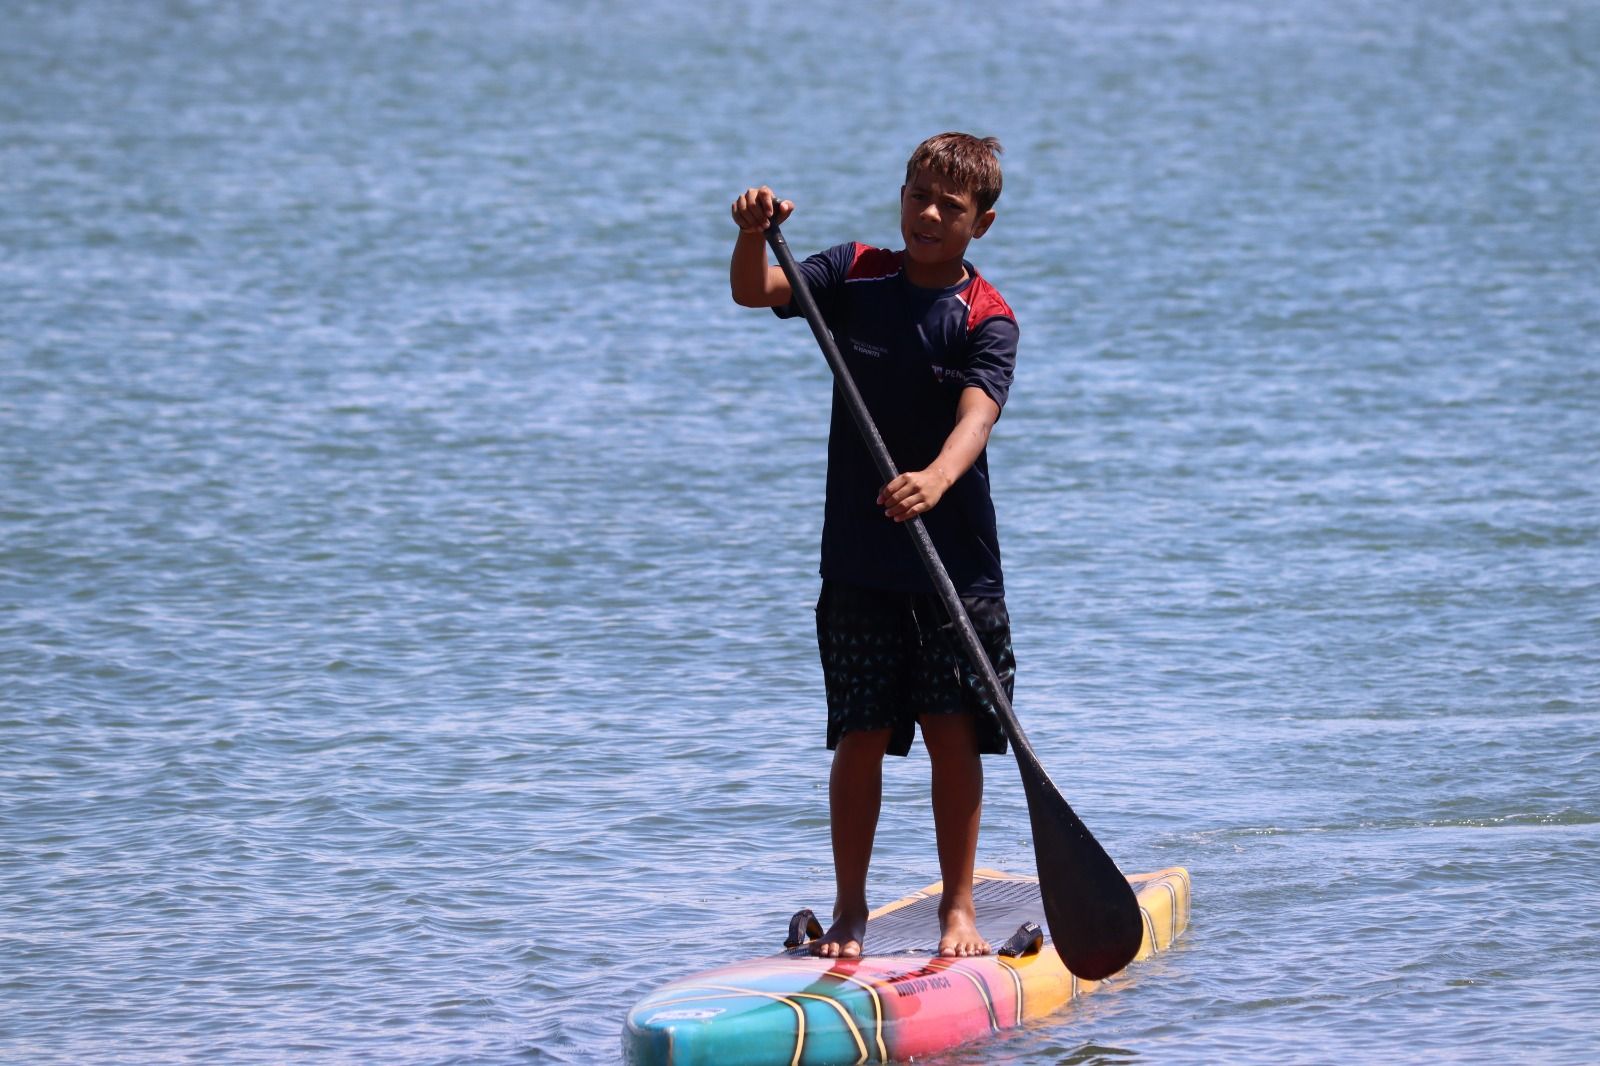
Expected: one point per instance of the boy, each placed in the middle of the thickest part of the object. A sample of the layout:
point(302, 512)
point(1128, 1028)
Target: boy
point(931, 346)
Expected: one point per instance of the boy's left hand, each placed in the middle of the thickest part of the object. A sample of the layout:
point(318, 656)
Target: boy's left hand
point(913, 493)
point(916, 493)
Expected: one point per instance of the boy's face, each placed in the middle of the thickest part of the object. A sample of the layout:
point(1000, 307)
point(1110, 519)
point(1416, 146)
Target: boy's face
point(938, 219)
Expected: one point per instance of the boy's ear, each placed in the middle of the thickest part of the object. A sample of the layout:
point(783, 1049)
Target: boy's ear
point(981, 227)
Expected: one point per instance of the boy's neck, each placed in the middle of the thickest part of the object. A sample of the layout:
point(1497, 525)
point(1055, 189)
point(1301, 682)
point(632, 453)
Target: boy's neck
point(935, 275)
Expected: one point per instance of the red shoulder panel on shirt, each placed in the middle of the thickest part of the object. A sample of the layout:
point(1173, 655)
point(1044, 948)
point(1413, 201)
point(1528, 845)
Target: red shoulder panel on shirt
point(984, 301)
point(871, 263)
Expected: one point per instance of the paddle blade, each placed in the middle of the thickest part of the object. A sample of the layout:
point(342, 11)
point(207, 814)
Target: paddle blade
point(1089, 906)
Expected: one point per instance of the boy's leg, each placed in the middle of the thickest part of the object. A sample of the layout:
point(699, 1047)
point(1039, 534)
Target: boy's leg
point(958, 726)
point(855, 793)
point(952, 742)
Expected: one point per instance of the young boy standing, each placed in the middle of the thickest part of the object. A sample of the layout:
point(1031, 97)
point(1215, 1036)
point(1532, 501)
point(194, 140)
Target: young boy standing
point(932, 347)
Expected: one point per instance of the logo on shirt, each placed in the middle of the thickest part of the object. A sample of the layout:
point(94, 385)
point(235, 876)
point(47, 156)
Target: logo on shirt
point(872, 351)
point(943, 374)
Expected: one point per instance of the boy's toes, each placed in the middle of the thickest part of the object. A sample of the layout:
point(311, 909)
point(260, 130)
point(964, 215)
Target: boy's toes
point(832, 949)
point(843, 941)
point(961, 939)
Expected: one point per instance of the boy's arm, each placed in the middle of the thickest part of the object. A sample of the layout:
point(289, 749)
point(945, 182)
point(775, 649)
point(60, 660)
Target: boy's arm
point(916, 492)
point(754, 281)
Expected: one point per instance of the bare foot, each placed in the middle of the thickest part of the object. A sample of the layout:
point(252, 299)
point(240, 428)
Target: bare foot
point(843, 939)
point(958, 926)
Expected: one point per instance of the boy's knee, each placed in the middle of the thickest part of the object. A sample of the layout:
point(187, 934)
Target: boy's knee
point(949, 734)
point(864, 742)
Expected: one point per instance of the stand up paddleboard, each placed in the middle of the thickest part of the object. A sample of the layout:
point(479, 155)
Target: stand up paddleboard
point(898, 1000)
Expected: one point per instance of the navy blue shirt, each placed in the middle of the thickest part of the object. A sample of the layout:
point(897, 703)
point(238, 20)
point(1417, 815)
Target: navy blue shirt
point(911, 352)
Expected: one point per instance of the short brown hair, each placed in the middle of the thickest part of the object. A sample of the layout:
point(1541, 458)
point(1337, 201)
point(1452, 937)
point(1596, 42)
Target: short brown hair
point(971, 162)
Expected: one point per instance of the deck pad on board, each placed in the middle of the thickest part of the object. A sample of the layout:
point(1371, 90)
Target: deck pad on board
point(911, 926)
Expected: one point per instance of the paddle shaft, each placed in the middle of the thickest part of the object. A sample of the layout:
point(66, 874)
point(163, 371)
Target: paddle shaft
point(1089, 906)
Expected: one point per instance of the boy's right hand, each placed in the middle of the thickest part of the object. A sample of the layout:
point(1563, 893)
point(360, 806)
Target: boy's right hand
point(756, 207)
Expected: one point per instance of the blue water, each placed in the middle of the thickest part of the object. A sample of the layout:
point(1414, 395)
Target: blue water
point(407, 550)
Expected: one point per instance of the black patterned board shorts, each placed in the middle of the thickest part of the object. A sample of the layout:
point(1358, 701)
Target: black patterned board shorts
point(888, 658)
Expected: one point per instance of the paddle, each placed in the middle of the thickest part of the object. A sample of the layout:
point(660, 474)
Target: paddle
point(1090, 907)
